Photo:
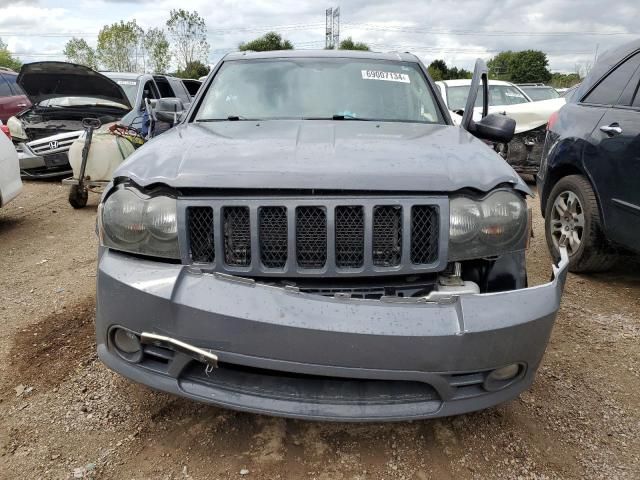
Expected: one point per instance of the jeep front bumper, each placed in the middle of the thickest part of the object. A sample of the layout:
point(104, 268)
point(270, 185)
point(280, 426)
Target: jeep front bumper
point(300, 355)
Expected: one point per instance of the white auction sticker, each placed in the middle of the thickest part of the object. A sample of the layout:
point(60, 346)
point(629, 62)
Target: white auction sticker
point(126, 82)
point(387, 76)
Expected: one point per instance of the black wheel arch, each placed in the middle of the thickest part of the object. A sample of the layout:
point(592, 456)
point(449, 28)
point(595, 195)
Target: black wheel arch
point(570, 163)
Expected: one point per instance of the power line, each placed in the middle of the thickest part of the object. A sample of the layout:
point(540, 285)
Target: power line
point(407, 29)
point(217, 31)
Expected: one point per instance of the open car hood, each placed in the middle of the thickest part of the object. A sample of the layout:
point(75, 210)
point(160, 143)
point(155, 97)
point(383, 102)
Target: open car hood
point(46, 80)
point(527, 115)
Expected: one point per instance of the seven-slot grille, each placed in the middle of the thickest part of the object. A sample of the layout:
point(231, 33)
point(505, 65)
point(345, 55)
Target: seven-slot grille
point(334, 237)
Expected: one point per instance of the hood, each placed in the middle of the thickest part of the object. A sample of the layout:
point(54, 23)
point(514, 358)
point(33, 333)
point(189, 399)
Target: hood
point(527, 115)
point(323, 155)
point(46, 80)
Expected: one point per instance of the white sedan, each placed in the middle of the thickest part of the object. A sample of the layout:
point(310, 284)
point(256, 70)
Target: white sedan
point(10, 183)
point(524, 151)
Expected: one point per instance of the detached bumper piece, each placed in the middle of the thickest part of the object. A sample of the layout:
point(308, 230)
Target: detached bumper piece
point(301, 355)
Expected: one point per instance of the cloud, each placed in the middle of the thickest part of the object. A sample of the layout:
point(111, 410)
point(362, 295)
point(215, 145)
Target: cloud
point(457, 31)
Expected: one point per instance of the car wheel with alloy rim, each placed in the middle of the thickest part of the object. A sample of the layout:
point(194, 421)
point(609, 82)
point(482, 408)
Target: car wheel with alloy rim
point(572, 219)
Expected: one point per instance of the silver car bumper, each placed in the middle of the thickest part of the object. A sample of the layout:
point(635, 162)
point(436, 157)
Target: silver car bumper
point(299, 355)
point(28, 158)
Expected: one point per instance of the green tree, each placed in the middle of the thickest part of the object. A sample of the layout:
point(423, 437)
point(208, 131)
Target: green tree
point(349, 44)
point(77, 50)
point(435, 73)
point(269, 41)
point(189, 33)
point(195, 69)
point(455, 73)
point(438, 70)
point(564, 80)
point(119, 47)
point(520, 67)
point(6, 59)
point(500, 66)
point(529, 66)
point(156, 47)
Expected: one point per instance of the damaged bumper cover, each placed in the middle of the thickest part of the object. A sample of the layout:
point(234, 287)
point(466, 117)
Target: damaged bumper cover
point(282, 352)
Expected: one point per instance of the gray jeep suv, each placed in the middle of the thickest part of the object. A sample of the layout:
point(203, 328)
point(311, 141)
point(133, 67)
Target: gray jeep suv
point(316, 239)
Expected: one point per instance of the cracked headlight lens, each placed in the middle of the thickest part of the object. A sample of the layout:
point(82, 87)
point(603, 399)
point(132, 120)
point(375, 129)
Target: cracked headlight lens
point(137, 223)
point(494, 225)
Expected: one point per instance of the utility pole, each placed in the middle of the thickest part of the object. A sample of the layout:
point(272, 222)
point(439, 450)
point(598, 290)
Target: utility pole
point(336, 28)
point(332, 28)
point(328, 37)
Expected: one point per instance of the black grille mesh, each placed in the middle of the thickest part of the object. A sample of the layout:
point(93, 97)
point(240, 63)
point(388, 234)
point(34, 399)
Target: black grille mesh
point(424, 234)
point(311, 234)
point(237, 236)
point(349, 234)
point(387, 235)
point(201, 234)
point(273, 236)
point(311, 237)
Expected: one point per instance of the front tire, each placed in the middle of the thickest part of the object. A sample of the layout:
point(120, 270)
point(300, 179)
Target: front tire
point(572, 219)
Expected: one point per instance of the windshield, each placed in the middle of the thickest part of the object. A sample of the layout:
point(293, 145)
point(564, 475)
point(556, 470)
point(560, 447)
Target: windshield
point(130, 88)
point(498, 95)
point(319, 88)
point(540, 93)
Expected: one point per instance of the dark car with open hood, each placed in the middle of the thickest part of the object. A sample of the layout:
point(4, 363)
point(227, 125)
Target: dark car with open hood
point(317, 239)
point(62, 95)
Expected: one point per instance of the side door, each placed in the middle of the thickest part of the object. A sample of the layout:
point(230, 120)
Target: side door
point(21, 101)
point(612, 154)
point(6, 100)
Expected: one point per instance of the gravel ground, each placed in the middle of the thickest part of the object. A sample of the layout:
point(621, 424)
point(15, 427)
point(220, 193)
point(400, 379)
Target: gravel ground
point(64, 415)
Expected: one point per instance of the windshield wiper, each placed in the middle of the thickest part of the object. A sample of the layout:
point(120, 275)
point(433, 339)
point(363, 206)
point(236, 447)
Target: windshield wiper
point(230, 118)
point(342, 117)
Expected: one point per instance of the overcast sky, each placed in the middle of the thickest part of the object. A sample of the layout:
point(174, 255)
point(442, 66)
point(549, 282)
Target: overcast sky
point(569, 31)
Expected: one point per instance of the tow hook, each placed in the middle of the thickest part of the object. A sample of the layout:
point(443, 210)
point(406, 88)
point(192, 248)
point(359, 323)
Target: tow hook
point(204, 356)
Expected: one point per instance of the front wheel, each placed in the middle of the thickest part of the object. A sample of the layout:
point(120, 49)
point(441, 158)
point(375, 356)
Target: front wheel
point(572, 219)
point(78, 196)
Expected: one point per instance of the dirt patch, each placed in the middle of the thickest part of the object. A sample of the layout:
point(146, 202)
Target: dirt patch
point(46, 352)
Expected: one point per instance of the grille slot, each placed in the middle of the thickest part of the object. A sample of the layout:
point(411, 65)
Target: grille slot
point(349, 235)
point(311, 237)
point(237, 236)
point(424, 234)
point(200, 221)
point(387, 235)
point(273, 236)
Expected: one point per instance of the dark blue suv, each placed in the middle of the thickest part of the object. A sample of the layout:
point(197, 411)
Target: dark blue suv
point(589, 179)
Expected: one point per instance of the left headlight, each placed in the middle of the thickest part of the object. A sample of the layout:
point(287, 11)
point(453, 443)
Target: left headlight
point(494, 225)
point(133, 222)
point(16, 129)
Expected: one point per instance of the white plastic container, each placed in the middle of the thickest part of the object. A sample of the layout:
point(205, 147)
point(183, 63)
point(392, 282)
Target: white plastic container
point(107, 151)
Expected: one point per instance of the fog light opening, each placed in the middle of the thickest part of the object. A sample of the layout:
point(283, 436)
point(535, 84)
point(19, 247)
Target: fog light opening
point(503, 377)
point(127, 344)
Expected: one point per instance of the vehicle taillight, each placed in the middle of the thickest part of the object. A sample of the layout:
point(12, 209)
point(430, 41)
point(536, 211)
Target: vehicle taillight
point(552, 120)
point(5, 129)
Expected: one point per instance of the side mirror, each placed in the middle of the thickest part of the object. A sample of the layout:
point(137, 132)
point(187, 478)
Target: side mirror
point(480, 80)
point(168, 109)
point(495, 128)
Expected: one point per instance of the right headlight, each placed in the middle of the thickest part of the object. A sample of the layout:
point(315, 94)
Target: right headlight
point(494, 225)
point(137, 223)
